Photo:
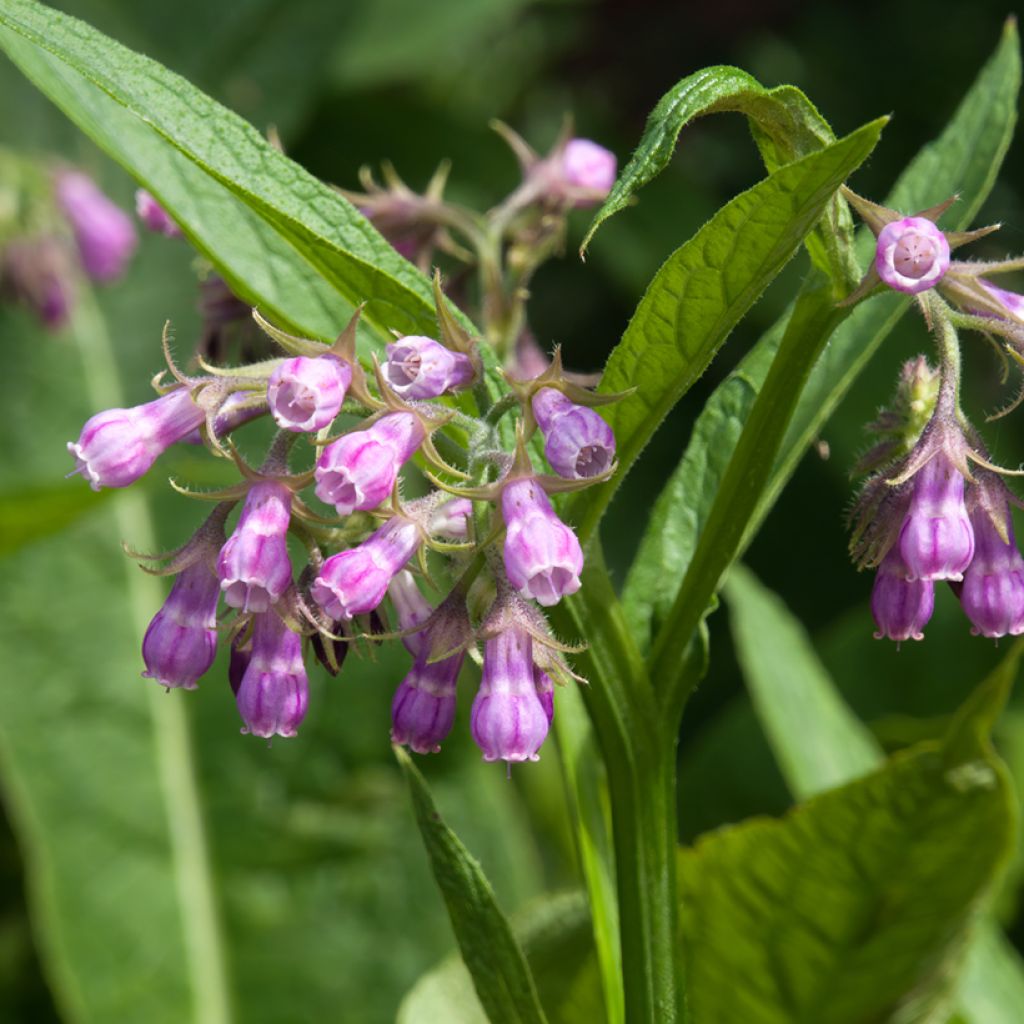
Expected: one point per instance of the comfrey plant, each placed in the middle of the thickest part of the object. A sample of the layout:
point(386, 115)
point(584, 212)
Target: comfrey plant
point(487, 523)
point(425, 473)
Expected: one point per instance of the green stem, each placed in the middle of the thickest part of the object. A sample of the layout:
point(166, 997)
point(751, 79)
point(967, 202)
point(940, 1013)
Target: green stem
point(190, 851)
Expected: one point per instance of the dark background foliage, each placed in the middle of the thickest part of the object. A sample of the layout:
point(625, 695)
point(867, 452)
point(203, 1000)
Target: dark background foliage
point(356, 83)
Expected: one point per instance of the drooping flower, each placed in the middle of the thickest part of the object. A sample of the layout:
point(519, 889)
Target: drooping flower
point(274, 692)
point(936, 540)
point(358, 471)
point(104, 233)
point(37, 273)
point(305, 394)
point(154, 216)
point(577, 441)
point(411, 607)
point(354, 582)
point(253, 566)
point(181, 641)
point(118, 446)
point(901, 607)
point(419, 367)
point(543, 557)
point(508, 720)
point(423, 708)
point(992, 594)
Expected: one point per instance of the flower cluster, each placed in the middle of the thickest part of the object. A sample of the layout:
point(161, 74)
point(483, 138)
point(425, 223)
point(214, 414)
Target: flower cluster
point(288, 575)
point(934, 506)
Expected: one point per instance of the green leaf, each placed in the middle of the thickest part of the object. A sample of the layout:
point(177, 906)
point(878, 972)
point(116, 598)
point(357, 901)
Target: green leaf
point(281, 238)
point(502, 978)
point(966, 156)
point(28, 514)
point(703, 290)
point(817, 740)
point(555, 936)
point(819, 743)
point(855, 906)
point(785, 124)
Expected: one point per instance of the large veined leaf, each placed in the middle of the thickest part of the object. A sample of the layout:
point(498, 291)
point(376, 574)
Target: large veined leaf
point(967, 156)
point(501, 976)
point(240, 201)
point(702, 291)
point(819, 743)
point(858, 904)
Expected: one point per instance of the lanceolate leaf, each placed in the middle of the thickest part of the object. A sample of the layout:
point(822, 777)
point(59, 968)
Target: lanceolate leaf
point(241, 202)
point(966, 156)
point(491, 953)
point(703, 290)
point(856, 906)
point(785, 124)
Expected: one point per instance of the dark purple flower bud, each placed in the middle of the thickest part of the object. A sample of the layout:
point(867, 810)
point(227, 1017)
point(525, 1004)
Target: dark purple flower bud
point(411, 607)
point(306, 394)
point(936, 540)
point(424, 706)
point(577, 441)
point(181, 641)
point(451, 520)
point(543, 558)
point(358, 471)
point(419, 367)
point(911, 255)
point(154, 216)
point(901, 607)
point(274, 692)
point(545, 687)
point(103, 231)
point(118, 446)
point(508, 720)
point(37, 273)
point(992, 594)
point(253, 565)
point(355, 581)
point(589, 167)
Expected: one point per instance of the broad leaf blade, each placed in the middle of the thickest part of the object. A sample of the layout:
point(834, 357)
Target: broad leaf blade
point(495, 960)
point(966, 156)
point(704, 289)
point(856, 906)
point(785, 122)
point(241, 201)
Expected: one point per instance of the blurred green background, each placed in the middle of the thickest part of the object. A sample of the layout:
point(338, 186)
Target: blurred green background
point(322, 888)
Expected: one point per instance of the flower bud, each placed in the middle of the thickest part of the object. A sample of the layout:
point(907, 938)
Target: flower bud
point(992, 594)
point(424, 706)
point(306, 394)
point(451, 520)
point(901, 608)
point(154, 216)
point(355, 581)
point(1012, 302)
point(118, 446)
point(358, 471)
point(936, 540)
point(274, 691)
point(508, 720)
point(543, 558)
point(411, 607)
point(912, 255)
point(419, 367)
point(253, 565)
point(588, 167)
point(37, 273)
point(181, 641)
point(577, 441)
point(103, 231)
